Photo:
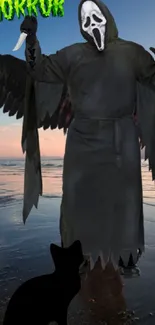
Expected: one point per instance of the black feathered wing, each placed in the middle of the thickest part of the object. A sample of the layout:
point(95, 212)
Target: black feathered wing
point(146, 122)
point(13, 74)
point(18, 97)
point(145, 112)
point(12, 85)
point(63, 115)
point(30, 141)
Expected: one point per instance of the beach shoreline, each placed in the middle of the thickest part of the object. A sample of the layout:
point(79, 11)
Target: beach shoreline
point(24, 249)
point(138, 293)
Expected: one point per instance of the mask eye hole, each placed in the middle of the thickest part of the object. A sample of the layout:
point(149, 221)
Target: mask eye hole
point(87, 23)
point(97, 19)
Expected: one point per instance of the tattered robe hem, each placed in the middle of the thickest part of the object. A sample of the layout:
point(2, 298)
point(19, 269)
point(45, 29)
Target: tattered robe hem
point(105, 256)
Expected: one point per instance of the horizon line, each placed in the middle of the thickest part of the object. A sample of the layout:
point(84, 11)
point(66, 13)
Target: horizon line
point(19, 157)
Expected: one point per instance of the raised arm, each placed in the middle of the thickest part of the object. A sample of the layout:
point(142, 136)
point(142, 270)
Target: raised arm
point(52, 68)
point(49, 72)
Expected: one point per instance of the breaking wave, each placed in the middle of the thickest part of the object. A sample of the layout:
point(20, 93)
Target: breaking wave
point(150, 204)
point(22, 163)
point(52, 165)
point(8, 165)
point(51, 196)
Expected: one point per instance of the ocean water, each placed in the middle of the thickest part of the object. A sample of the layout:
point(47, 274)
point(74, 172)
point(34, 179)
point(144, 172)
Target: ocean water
point(24, 249)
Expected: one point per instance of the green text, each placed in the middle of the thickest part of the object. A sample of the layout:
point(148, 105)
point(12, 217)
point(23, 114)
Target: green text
point(10, 8)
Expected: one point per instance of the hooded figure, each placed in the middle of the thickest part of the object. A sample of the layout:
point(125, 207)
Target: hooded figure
point(97, 25)
point(109, 81)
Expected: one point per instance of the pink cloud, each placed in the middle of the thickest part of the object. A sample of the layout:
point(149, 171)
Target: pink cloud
point(52, 143)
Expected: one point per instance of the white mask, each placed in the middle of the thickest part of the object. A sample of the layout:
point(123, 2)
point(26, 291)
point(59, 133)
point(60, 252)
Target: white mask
point(94, 23)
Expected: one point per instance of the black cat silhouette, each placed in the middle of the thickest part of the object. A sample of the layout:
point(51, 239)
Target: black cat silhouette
point(46, 298)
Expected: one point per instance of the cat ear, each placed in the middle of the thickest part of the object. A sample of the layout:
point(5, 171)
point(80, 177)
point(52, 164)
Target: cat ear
point(56, 251)
point(72, 254)
point(76, 252)
point(76, 247)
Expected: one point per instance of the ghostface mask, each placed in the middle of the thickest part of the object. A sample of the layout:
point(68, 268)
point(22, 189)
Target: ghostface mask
point(94, 23)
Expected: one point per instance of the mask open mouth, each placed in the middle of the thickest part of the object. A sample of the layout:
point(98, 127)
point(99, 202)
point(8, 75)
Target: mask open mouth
point(97, 37)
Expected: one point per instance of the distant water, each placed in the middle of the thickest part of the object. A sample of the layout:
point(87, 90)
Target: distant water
point(12, 180)
point(24, 249)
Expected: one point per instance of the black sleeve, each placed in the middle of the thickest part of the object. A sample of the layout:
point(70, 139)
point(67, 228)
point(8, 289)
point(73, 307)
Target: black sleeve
point(145, 67)
point(46, 68)
point(50, 75)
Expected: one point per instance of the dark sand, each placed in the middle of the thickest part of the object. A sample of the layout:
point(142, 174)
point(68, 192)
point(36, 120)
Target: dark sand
point(137, 296)
point(24, 253)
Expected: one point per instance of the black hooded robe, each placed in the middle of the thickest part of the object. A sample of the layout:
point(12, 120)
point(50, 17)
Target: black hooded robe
point(102, 187)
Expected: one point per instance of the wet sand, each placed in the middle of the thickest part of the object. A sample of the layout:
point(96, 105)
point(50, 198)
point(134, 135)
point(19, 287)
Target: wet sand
point(24, 253)
point(131, 304)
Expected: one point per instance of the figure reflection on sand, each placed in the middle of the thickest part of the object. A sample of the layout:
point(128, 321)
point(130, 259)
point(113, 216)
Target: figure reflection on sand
point(100, 299)
point(46, 298)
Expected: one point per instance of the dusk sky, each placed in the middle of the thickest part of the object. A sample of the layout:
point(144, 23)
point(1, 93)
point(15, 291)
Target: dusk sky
point(136, 22)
